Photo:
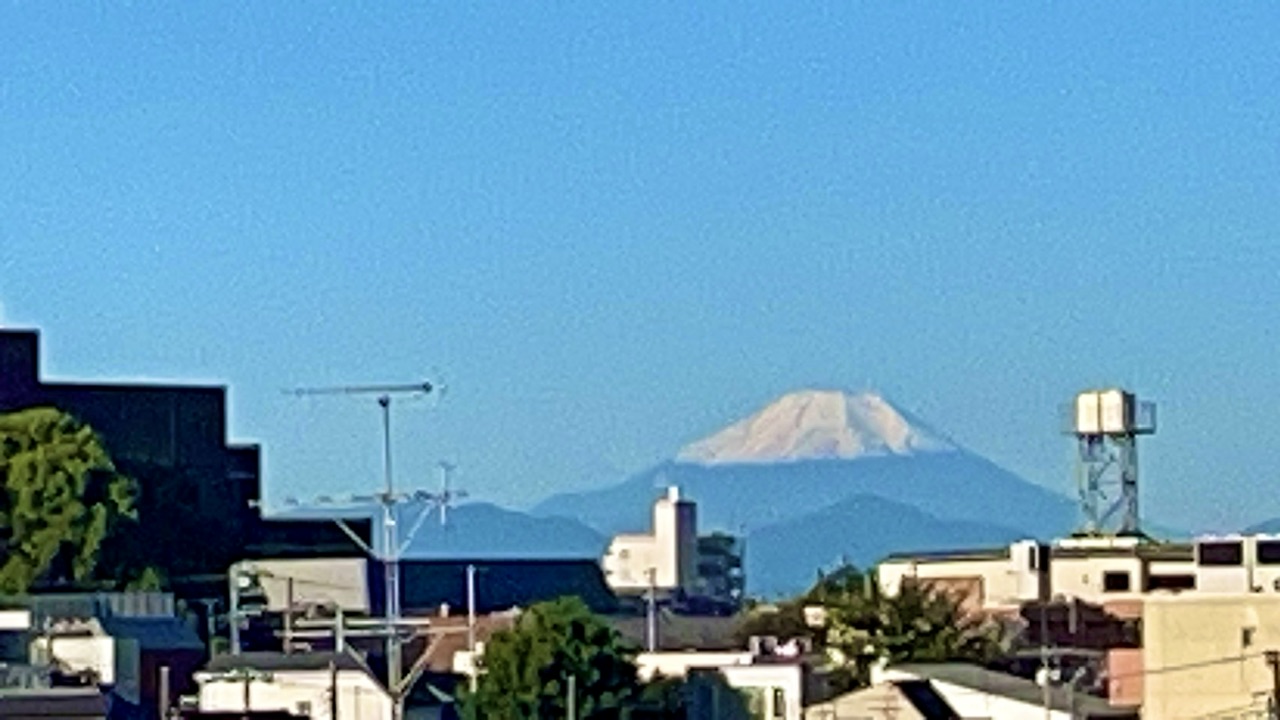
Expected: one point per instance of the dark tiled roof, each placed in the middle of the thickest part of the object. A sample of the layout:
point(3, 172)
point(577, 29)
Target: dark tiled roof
point(276, 662)
point(53, 703)
point(681, 632)
point(991, 682)
point(154, 633)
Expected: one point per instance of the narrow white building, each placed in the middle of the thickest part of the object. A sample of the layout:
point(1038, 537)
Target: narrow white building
point(666, 558)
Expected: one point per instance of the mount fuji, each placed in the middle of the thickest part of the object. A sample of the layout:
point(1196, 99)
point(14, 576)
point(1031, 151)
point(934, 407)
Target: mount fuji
point(822, 475)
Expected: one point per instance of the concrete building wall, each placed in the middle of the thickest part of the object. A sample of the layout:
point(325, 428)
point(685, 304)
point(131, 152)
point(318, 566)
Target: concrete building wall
point(669, 552)
point(1086, 577)
point(627, 562)
point(359, 697)
point(1204, 654)
point(773, 690)
point(678, 664)
point(1001, 581)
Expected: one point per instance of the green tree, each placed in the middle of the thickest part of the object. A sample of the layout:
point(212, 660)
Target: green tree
point(921, 623)
point(526, 671)
point(62, 497)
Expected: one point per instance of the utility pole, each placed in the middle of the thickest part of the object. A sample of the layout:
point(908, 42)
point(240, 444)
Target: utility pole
point(571, 702)
point(288, 616)
point(651, 611)
point(1273, 659)
point(471, 622)
point(233, 609)
point(391, 549)
point(1046, 689)
point(333, 688)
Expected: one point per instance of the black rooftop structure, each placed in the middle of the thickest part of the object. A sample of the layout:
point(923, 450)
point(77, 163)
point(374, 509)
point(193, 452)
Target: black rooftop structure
point(197, 493)
point(502, 584)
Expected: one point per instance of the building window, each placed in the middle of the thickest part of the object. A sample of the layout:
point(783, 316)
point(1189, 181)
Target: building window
point(1269, 552)
point(779, 703)
point(1115, 581)
point(1171, 582)
point(1220, 554)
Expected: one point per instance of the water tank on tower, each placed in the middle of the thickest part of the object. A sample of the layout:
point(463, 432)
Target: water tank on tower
point(1106, 425)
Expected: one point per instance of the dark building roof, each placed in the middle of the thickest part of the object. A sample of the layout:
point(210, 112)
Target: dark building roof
point(278, 662)
point(681, 632)
point(54, 704)
point(928, 556)
point(154, 633)
point(500, 584)
point(1013, 687)
point(192, 484)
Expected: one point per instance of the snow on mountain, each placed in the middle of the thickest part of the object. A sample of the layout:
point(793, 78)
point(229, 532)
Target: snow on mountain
point(818, 425)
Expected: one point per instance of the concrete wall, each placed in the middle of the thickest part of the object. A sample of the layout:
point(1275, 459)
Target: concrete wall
point(359, 697)
point(670, 551)
point(763, 680)
point(627, 562)
point(1001, 582)
point(1082, 577)
point(1203, 653)
point(678, 664)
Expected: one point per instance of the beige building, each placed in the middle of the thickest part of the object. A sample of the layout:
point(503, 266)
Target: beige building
point(665, 558)
point(1203, 655)
point(1094, 569)
point(999, 579)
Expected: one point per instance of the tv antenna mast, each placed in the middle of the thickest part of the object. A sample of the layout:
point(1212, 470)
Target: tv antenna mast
point(392, 546)
point(444, 500)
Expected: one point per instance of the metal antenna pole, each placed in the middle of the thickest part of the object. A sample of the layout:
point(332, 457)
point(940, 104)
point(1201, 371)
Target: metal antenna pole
point(390, 550)
point(471, 621)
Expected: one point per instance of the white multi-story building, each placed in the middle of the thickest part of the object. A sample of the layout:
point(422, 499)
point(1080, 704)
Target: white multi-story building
point(1238, 564)
point(665, 559)
point(1092, 569)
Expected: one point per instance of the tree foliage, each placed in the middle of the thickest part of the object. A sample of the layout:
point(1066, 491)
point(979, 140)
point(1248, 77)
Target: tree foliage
point(921, 623)
point(526, 671)
point(62, 497)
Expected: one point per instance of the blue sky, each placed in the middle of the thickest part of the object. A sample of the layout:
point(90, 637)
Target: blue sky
point(613, 230)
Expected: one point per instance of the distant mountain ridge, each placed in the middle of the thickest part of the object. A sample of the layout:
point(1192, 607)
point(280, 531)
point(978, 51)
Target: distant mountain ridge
point(883, 527)
point(476, 530)
point(820, 474)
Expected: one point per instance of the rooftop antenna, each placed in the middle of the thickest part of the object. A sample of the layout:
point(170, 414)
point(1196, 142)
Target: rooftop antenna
point(392, 545)
point(447, 495)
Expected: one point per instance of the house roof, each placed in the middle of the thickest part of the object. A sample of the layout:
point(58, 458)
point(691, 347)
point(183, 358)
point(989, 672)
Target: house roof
point(929, 556)
point(53, 703)
point(975, 677)
point(919, 694)
point(282, 662)
point(681, 632)
point(154, 633)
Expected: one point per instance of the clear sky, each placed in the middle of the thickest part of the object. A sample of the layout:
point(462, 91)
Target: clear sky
point(614, 228)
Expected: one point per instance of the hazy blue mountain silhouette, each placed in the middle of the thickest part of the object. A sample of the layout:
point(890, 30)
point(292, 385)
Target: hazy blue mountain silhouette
point(1266, 527)
point(954, 485)
point(480, 530)
point(784, 559)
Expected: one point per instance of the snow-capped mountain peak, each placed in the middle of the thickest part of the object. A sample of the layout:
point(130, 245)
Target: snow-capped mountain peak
point(817, 425)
